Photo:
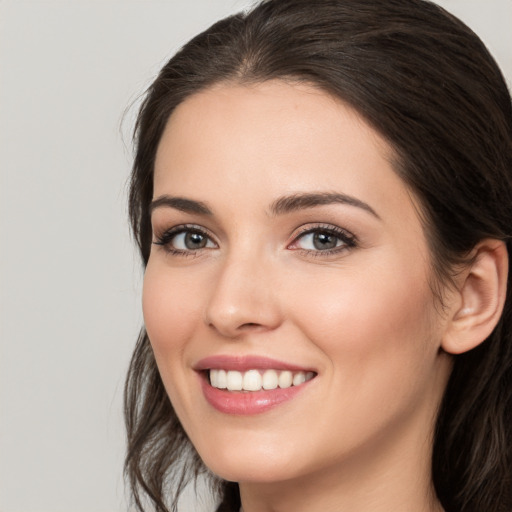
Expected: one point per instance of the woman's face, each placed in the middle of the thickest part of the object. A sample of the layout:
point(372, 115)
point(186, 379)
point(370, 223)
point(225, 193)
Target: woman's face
point(287, 249)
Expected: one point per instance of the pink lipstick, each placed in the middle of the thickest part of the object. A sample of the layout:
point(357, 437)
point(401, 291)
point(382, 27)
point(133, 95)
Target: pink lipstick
point(250, 384)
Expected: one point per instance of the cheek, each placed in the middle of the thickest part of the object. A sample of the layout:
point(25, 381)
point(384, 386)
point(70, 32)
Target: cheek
point(171, 310)
point(378, 335)
point(373, 319)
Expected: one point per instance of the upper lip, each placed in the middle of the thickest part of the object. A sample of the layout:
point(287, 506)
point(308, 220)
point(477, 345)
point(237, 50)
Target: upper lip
point(245, 363)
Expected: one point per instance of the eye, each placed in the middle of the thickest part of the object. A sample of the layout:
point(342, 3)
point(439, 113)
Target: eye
point(185, 239)
point(190, 241)
point(323, 239)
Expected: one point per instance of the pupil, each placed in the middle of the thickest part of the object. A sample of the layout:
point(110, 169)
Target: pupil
point(324, 241)
point(195, 241)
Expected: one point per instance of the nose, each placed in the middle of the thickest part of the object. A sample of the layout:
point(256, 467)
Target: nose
point(244, 298)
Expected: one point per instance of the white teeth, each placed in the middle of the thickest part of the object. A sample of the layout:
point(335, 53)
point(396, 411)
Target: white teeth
point(222, 380)
point(234, 381)
point(270, 379)
point(285, 379)
point(299, 378)
point(252, 380)
point(255, 380)
point(218, 379)
point(214, 378)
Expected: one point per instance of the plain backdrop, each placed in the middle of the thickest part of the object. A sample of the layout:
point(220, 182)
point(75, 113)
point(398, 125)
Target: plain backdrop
point(70, 279)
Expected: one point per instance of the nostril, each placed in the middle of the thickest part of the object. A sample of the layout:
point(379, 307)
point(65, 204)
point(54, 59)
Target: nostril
point(251, 326)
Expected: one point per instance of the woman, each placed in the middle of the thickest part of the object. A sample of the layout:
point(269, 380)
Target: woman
point(322, 195)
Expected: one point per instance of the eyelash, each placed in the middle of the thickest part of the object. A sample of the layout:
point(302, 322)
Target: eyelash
point(348, 240)
point(166, 239)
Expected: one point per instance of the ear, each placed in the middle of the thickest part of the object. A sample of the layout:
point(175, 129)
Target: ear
point(480, 298)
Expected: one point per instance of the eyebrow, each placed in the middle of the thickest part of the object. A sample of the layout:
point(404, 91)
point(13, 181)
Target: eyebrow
point(281, 206)
point(180, 203)
point(295, 202)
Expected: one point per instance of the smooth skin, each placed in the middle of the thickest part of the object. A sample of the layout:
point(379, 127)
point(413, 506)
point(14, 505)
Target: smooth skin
point(342, 287)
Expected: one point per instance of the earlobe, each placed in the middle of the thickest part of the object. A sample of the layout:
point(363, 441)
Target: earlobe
point(481, 297)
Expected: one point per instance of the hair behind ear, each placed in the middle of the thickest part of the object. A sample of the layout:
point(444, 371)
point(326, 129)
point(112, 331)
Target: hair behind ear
point(472, 460)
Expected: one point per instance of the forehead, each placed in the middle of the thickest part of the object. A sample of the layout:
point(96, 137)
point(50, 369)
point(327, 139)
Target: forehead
point(272, 139)
point(269, 113)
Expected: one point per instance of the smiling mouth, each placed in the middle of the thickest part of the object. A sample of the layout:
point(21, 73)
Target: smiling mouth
point(257, 380)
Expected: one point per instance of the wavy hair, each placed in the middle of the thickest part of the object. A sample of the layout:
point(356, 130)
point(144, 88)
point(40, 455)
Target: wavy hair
point(428, 85)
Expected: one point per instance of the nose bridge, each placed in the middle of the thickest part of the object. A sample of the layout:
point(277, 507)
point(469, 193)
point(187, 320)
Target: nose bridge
point(243, 297)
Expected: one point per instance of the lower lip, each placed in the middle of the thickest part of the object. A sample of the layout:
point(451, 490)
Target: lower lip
point(248, 402)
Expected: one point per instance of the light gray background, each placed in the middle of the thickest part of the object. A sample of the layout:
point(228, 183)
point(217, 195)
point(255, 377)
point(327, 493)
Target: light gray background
point(69, 277)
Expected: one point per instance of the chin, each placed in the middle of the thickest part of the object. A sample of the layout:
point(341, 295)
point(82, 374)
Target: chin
point(259, 463)
point(253, 471)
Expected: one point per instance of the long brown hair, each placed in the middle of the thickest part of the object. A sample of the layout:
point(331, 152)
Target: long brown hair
point(427, 83)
